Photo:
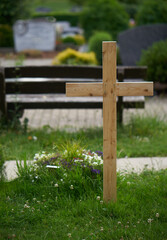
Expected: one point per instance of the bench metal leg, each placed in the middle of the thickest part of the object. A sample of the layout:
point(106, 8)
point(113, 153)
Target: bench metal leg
point(3, 106)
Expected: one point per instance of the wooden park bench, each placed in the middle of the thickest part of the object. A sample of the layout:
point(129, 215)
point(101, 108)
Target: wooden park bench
point(43, 87)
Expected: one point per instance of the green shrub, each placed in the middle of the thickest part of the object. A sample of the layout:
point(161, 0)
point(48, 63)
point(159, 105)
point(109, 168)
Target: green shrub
point(71, 17)
point(95, 44)
point(104, 15)
point(152, 11)
point(6, 36)
point(10, 11)
point(77, 40)
point(2, 161)
point(73, 57)
point(155, 58)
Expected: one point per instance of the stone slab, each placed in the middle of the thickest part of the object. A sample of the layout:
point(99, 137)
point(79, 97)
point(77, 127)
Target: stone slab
point(37, 34)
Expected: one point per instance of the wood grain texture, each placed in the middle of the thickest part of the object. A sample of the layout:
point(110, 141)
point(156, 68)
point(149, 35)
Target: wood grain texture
point(84, 89)
point(134, 89)
point(122, 89)
point(109, 122)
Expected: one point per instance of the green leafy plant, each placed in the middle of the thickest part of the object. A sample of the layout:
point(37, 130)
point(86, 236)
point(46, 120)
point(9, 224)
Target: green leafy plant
point(95, 44)
point(155, 58)
point(76, 39)
point(6, 36)
point(73, 57)
point(104, 15)
point(10, 11)
point(152, 11)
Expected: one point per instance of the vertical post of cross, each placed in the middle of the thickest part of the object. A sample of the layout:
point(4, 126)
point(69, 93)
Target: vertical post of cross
point(109, 122)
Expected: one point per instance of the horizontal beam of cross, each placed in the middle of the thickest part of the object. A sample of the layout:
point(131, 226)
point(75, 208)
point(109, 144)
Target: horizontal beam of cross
point(122, 89)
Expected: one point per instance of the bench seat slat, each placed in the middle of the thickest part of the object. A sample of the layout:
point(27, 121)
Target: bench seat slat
point(61, 101)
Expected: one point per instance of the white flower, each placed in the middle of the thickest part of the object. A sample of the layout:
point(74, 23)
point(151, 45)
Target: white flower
point(98, 198)
point(149, 220)
point(157, 215)
point(56, 185)
point(101, 202)
point(71, 187)
point(34, 138)
point(69, 235)
point(101, 229)
point(26, 206)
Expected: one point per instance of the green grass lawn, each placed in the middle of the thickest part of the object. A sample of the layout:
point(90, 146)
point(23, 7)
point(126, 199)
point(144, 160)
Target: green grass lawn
point(66, 203)
point(142, 137)
point(38, 210)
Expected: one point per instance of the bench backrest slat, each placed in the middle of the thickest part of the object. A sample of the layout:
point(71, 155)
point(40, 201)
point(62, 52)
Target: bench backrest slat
point(70, 72)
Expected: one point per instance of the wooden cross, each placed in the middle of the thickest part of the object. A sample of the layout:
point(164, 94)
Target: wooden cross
point(109, 89)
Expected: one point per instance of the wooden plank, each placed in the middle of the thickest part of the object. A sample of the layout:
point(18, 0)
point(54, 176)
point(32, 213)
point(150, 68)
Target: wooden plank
point(133, 72)
point(52, 101)
point(84, 89)
point(122, 89)
point(54, 71)
point(34, 87)
point(109, 122)
point(3, 109)
point(70, 72)
point(134, 89)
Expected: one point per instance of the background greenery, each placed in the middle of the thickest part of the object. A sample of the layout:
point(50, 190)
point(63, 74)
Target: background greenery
point(155, 58)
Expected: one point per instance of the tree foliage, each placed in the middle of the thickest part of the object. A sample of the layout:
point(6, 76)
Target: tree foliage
point(11, 10)
point(152, 11)
point(104, 15)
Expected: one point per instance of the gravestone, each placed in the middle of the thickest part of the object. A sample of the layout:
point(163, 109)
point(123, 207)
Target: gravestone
point(37, 34)
point(133, 41)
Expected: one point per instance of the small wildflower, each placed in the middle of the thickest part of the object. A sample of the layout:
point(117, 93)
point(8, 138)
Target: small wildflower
point(29, 137)
point(34, 138)
point(101, 202)
point(56, 185)
point(157, 215)
point(98, 198)
point(119, 222)
point(101, 229)
point(34, 199)
point(128, 183)
point(149, 220)
point(26, 206)
point(69, 235)
point(71, 187)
